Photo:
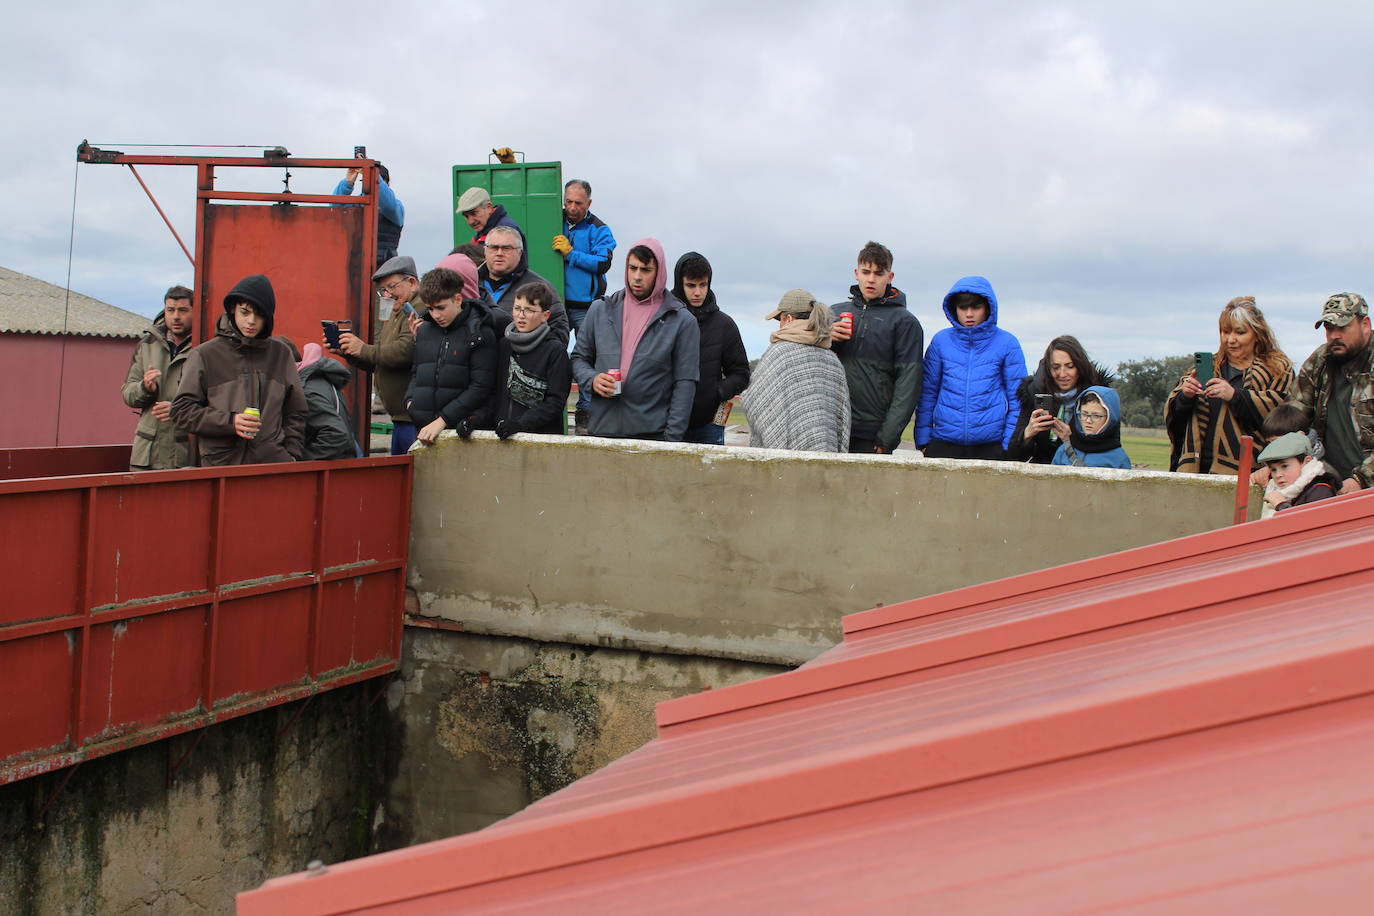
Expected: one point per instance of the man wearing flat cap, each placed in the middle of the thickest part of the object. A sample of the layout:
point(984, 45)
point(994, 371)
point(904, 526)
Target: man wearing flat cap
point(482, 215)
point(389, 358)
point(1336, 390)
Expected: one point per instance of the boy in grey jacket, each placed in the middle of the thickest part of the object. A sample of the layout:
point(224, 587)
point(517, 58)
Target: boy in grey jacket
point(644, 334)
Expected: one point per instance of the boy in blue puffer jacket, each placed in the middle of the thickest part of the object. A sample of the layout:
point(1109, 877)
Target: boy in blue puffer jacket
point(1095, 436)
point(968, 403)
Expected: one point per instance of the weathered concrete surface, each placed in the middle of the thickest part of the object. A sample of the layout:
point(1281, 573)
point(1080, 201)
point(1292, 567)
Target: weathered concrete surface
point(485, 725)
point(750, 553)
point(248, 803)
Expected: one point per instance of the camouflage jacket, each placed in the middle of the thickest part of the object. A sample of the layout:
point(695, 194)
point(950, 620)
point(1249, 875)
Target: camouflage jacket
point(1314, 388)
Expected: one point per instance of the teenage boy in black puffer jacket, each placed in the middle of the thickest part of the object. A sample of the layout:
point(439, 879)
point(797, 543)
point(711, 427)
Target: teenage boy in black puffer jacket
point(454, 373)
point(533, 375)
point(724, 364)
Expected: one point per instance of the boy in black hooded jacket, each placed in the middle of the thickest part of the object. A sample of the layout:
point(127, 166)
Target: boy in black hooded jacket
point(533, 375)
point(724, 363)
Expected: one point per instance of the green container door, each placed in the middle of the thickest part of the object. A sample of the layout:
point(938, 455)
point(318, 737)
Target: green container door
point(532, 193)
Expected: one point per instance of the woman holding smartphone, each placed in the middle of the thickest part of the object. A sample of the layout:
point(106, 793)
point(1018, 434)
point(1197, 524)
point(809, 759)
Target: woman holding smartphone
point(1048, 399)
point(1207, 413)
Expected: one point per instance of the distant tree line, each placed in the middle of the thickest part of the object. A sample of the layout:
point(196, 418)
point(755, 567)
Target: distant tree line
point(1144, 386)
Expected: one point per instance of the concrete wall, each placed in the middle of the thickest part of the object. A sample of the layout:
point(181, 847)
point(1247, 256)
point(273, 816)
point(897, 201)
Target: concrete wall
point(259, 796)
point(484, 725)
point(748, 553)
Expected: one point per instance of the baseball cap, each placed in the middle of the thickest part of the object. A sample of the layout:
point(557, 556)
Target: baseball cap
point(1341, 309)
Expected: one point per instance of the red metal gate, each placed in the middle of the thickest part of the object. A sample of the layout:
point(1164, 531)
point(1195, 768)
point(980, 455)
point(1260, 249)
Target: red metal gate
point(137, 606)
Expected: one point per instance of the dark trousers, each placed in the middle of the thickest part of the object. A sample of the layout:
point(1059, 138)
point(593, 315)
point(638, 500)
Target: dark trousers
point(863, 446)
point(986, 451)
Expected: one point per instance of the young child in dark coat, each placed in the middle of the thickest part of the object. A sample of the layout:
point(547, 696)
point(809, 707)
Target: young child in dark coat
point(454, 372)
point(533, 375)
point(1295, 477)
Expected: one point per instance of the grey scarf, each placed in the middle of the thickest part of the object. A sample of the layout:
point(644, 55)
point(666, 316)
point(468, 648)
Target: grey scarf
point(525, 341)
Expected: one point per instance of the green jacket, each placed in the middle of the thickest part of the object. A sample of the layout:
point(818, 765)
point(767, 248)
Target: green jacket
point(389, 360)
point(158, 445)
point(882, 365)
point(1314, 388)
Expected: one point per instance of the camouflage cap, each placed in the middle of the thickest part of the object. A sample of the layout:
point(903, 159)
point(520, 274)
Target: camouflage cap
point(1341, 309)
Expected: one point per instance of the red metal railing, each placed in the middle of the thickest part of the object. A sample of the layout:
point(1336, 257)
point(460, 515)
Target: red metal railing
point(137, 606)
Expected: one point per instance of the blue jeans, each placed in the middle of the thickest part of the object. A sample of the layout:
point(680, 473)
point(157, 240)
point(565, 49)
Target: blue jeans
point(706, 434)
point(575, 318)
point(402, 437)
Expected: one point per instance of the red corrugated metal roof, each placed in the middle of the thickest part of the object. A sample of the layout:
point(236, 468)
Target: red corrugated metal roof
point(1181, 727)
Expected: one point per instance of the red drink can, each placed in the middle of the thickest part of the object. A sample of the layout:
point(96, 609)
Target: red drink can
point(616, 377)
point(848, 319)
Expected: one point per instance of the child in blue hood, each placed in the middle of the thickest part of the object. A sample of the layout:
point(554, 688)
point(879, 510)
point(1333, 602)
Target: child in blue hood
point(1095, 437)
point(968, 406)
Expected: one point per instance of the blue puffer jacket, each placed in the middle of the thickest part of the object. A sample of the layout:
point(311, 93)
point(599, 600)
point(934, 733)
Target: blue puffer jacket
point(971, 374)
point(584, 270)
point(1103, 449)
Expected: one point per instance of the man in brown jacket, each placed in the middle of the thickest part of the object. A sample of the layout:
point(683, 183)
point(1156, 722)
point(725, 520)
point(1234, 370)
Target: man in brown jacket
point(389, 358)
point(240, 392)
point(152, 382)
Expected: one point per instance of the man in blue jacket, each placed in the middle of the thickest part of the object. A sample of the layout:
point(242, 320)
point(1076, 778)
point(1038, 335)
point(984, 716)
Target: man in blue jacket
point(391, 213)
point(644, 334)
point(968, 403)
point(588, 247)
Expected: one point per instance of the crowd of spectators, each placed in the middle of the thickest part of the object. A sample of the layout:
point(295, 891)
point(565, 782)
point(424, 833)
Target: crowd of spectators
point(481, 342)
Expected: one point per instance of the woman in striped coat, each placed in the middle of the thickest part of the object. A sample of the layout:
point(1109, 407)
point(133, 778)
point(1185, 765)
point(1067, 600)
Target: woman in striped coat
point(1250, 377)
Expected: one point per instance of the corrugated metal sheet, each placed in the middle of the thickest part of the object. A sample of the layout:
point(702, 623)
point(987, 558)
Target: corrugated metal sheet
point(32, 306)
point(1180, 728)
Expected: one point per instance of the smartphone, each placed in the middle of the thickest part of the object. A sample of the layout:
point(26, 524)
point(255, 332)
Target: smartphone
point(409, 310)
point(1045, 402)
point(1202, 364)
point(359, 152)
point(331, 333)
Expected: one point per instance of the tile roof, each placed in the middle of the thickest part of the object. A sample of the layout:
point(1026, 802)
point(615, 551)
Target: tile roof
point(31, 306)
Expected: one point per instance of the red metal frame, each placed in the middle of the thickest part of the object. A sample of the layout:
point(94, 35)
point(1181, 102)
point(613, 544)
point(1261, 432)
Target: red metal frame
point(145, 605)
point(320, 260)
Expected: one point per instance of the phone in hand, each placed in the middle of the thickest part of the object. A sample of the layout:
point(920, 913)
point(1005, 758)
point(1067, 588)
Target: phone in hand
point(408, 310)
point(1202, 365)
point(331, 333)
point(1045, 402)
point(359, 152)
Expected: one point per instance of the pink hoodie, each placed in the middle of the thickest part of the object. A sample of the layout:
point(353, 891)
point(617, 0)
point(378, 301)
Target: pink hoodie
point(462, 264)
point(635, 314)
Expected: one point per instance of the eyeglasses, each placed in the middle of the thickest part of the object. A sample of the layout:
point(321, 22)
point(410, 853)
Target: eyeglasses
point(522, 310)
point(491, 247)
point(389, 289)
point(1092, 416)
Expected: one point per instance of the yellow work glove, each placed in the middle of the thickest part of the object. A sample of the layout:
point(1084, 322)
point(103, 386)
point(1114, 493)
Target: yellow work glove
point(562, 245)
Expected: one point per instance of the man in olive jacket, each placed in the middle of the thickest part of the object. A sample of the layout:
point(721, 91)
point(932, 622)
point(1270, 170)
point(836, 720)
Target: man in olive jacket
point(389, 358)
point(152, 382)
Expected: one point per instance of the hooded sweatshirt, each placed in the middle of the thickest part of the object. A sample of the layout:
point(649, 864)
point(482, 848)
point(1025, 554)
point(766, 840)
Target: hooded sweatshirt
point(1102, 449)
point(660, 382)
point(971, 376)
point(328, 427)
point(882, 364)
point(230, 372)
point(724, 365)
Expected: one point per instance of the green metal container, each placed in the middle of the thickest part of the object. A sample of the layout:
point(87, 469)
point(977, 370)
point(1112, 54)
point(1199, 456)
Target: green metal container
point(532, 193)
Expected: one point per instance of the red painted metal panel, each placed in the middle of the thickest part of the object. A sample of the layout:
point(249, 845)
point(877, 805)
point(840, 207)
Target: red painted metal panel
point(62, 391)
point(143, 605)
point(18, 463)
point(1158, 736)
point(39, 556)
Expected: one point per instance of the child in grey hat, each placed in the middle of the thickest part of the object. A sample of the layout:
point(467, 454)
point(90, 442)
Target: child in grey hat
point(1295, 477)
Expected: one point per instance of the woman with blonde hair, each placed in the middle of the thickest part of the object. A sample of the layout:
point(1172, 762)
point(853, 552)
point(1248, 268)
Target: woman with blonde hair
point(1250, 377)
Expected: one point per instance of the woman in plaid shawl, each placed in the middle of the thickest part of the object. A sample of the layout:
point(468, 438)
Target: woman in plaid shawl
point(1250, 377)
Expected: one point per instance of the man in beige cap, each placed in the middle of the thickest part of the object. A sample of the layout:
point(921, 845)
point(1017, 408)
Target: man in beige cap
point(482, 215)
point(1336, 390)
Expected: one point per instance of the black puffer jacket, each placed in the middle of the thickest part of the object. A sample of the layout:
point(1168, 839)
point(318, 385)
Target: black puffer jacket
point(724, 362)
point(454, 375)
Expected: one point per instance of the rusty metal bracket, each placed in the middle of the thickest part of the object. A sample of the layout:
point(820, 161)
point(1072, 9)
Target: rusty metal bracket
point(52, 796)
point(175, 767)
point(295, 716)
point(87, 153)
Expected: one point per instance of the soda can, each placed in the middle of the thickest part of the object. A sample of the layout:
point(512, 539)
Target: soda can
point(848, 319)
point(616, 377)
point(252, 412)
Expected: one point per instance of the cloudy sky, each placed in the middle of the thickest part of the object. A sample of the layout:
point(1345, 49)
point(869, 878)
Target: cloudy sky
point(1118, 171)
